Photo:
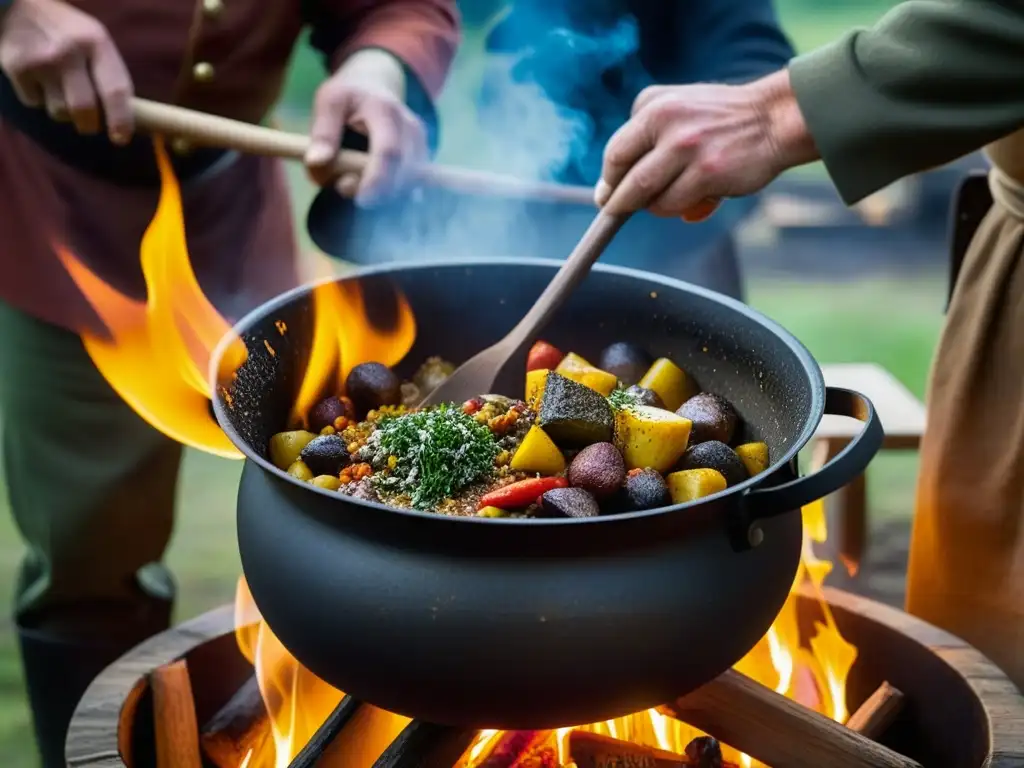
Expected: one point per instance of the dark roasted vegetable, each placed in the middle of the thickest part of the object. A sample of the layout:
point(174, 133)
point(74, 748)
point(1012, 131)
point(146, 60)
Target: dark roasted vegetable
point(718, 456)
point(574, 415)
point(569, 502)
point(326, 455)
point(645, 489)
point(371, 385)
point(328, 411)
point(598, 469)
point(704, 752)
point(713, 418)
point(628, 362)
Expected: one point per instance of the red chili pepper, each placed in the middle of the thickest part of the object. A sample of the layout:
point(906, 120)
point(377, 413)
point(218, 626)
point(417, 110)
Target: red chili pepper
point(521, 494)
point(543, 355)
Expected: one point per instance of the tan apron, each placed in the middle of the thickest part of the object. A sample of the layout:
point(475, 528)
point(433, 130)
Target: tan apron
point(966, 570)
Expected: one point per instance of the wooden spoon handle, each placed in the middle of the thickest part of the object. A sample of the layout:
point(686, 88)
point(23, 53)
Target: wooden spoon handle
point(599, 234)
point(215, 131)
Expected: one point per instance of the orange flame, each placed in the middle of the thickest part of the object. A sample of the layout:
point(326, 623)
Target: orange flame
point(156, 355)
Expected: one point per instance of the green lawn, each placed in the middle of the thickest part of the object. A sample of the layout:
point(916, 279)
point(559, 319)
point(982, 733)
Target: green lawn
point(893, 322)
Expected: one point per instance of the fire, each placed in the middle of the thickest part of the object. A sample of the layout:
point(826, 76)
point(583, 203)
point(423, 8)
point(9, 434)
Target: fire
point(155, 354)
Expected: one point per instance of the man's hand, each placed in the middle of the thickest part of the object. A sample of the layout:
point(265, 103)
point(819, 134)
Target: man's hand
point(367, 93)
point(687, 147)
point(56, 55)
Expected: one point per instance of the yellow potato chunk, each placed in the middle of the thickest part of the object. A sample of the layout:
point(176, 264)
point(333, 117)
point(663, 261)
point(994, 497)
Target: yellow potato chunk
point(492, 512)
point(692, 484)
point(651, 437)
point(535, 381)
point(300, 471)
point(285, 447)
point(538, 453)
point(330, 482)
point(754, 457)
point(572, 362)
point(668, 380)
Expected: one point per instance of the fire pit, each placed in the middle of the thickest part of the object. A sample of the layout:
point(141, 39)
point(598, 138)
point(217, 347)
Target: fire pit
point(188, 698)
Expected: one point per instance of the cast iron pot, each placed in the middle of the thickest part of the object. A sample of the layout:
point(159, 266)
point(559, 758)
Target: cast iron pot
point(533, 623)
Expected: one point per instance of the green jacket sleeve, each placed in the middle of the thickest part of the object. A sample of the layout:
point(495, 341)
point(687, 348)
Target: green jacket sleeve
point(933, 80)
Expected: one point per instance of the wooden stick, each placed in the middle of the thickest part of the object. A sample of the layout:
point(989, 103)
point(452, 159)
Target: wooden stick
point(593, 750)
point(425, 745)
point(311, 753)
point(240, 726)
point(174, 717)
point(214, 131)
point(878, 712)
point(777, 731)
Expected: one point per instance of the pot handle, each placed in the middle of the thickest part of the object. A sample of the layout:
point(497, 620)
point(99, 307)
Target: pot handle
point(844, 467)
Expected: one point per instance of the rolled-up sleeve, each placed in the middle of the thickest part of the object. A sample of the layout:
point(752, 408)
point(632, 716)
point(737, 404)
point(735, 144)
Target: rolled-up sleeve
point(422, 34)
point(932, 81)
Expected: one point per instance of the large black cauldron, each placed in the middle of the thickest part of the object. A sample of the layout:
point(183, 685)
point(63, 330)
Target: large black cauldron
point(533, 623)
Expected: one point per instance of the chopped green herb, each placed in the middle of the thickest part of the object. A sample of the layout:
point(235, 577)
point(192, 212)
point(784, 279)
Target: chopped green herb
point(622, 399)
point(438, 452)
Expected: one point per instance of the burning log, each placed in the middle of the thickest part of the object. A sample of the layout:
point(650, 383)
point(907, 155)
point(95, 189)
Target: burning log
point(521, 749)
point(310, 754)
point(777, 731)
point(878, 712)
point(240, 726)
point(425, 745)
point(592, 750)
point(176, 732)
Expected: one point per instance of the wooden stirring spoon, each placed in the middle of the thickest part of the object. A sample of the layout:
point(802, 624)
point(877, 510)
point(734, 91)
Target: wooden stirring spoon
point(476, 376)
point(203, 129)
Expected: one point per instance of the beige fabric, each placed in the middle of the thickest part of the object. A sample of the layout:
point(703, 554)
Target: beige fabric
point(1007, 155)
point(967, 550)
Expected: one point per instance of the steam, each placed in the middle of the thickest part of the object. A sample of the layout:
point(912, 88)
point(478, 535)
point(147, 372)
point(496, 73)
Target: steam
point(542, 112)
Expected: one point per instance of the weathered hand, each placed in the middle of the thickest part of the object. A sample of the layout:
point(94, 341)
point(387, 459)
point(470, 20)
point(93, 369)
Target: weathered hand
point(367, 93)
point(687, 147)
point(56, 55)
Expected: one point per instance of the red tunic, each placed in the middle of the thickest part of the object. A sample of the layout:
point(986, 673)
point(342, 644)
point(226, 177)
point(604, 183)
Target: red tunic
point(223, 56)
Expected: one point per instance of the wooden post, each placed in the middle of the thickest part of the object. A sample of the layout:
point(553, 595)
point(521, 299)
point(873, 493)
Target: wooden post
point(174, 717)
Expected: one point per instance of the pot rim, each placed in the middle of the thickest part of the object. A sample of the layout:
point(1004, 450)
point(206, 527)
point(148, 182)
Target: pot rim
point(806, 359)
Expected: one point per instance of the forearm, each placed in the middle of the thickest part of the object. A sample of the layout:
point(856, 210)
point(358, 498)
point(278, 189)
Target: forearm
point(932, 81)
point(377, 69)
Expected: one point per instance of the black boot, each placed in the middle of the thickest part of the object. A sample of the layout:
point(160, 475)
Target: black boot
point(62, 655)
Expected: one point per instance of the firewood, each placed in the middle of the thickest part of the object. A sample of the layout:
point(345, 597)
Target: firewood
point(310, 754)
point(878, 712)
point(425, 745)
point(512, 748)
point(240, 726)
point(593, 750)
point(769, 727)
point(176, 732)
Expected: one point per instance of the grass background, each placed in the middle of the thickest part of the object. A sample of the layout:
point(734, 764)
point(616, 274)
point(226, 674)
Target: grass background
point(882, 318)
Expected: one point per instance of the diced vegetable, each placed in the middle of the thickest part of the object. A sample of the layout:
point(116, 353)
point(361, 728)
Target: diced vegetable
point(598, 380)
point(692, 484)
point(754, 457)
point(285, 447)
point(646, 489)
point(492, 512)
point(651, 437)
point(718, 456)
point(598, 469)
point(535, 386)
point(300, 471)
point(538, 453)
point(330, 482)
point(543, 355)
point(668, 381)
point(572, 362)
point(326, 455)
point(569, 502)
point(521, 494)
point(574, 415)
point(627, 361)
point(713, 417)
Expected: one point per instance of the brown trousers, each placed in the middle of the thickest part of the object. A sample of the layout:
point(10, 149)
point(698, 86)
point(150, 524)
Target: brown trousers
point(966, 571)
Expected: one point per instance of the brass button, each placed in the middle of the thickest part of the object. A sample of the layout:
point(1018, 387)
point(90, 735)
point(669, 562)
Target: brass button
point(213, 8)
point(203, 72)
point(180, 146)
